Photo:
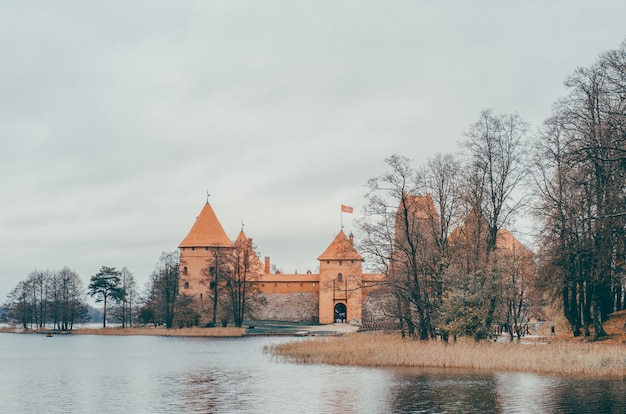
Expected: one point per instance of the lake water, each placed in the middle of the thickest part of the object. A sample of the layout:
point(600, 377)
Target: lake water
point(135, 374)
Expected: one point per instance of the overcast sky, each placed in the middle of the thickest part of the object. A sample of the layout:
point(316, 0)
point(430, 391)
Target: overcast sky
point(117, 117)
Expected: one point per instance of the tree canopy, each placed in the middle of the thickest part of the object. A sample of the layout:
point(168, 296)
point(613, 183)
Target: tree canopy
point(105, 286)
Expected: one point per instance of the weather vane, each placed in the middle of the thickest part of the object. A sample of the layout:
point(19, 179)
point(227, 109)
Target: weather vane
point(207, 196)
point(242, 225)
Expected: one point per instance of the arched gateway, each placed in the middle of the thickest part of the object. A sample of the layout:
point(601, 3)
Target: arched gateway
point(340, 312)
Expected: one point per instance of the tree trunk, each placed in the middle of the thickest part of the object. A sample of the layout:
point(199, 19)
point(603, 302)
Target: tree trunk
point(586, 302)
point(104, 320)
point(598, 329)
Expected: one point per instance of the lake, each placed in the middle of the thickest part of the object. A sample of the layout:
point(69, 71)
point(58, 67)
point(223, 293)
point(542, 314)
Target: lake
point(146, 374)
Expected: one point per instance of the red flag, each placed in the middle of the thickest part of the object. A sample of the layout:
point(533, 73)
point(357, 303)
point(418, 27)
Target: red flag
point(346, 209)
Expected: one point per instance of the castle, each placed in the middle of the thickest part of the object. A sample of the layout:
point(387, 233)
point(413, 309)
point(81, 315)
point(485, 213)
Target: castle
point(338, 292)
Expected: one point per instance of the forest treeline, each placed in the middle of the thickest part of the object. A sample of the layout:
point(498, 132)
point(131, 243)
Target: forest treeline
point(57, 299)
point(441, 232)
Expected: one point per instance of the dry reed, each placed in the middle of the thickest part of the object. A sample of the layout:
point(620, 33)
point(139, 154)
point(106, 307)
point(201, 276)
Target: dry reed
point(190, 332)
point(562, 358)
point(147, 331)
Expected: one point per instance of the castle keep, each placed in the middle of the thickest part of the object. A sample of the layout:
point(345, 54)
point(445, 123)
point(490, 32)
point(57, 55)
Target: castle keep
point(338, 292)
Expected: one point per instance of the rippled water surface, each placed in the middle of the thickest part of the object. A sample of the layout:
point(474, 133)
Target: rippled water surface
point(135, 374)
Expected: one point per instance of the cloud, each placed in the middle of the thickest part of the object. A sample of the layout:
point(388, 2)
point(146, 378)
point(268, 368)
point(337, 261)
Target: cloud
point(116, 118)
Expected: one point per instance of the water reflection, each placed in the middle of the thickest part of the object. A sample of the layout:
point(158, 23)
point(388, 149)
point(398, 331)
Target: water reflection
point(94, 374)
point(592, 396)
point(441, 391)
point(526, 393)
point(459, 391)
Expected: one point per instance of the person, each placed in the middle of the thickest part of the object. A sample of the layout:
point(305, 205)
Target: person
point(552, 330)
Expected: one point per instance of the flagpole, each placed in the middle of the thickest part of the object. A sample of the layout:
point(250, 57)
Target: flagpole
point(345, 209)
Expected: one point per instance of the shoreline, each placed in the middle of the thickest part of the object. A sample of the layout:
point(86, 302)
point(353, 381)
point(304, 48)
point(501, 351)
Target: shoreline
point(340, 344)
point(140, 331)
point(257, 328)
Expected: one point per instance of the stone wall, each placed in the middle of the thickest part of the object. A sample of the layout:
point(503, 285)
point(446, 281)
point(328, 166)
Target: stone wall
point(377, 307)
point(295, 307)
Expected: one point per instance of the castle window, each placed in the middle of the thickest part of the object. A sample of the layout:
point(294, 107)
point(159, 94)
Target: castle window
point(185, 270)
point(212, 270)
point(200, 295)
point(341, 261)
point(186, 285)
point(339, 277)
point(193, 248)
point(206, 248)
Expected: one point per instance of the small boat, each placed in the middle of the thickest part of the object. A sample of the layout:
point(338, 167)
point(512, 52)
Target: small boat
point(49, 334)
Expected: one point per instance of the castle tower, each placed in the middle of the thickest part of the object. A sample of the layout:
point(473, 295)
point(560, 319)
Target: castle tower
point(200, 252)
point(255, 267)
point(341, 277)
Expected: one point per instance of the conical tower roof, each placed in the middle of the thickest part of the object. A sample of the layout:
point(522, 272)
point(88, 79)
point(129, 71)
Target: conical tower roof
point(341, 248)
point(241, 238)
point(254, 260)
point(206, 231)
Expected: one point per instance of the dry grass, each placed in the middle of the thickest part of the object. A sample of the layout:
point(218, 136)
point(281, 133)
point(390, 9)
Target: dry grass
point(367, 349)
point(7, 329)
point(191, 332)
point(149, 331)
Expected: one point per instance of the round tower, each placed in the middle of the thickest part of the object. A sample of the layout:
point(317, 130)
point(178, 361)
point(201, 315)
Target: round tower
point(200, 253)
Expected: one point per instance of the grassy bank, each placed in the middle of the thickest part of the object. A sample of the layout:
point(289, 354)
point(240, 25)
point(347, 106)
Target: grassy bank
point(149, 331)
point(191, 332)
point(375, 350)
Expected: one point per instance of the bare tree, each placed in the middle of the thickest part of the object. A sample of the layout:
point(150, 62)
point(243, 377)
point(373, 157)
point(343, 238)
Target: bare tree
point(242, 269)
point(496, 168)
point(20, 305)
point(516, 265)
point(560, 209)
point(215, 275)
point(583, 204)
point(125, 309)
point(497, 164)
point(165, 281)
point(442, 177)
point(67, 302)
point(55, 297)
point(39, 282)
point(404, 237)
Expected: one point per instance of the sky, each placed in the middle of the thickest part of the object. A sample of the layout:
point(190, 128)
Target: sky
point(117, 118)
